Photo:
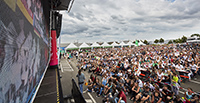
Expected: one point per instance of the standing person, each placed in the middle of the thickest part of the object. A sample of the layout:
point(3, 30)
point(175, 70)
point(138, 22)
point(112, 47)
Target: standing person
point(81, 79)
point(175, 84)
point(77, 54)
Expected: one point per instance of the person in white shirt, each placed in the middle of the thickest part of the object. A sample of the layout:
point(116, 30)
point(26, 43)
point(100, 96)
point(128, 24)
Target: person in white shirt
point(194, 69)
point(179, 66)
point(119, 73)
point(190, 59)
point(137, 70)
point(160, 76)
point(150, 63)
point(148, 84)
point(139, 82)
point(126, 64)
point(166, 70)
point(189, 71)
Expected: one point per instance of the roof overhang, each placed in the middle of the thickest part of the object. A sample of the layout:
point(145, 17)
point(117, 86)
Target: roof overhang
point(62, 4)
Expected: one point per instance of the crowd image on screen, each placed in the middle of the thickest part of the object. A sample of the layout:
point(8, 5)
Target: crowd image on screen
point(146, 74)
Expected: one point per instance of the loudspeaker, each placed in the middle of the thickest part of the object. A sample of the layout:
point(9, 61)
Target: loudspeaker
point(58, 22)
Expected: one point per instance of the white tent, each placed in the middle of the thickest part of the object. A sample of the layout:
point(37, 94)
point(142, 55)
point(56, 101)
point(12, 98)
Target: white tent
point(105, 44)
point(95, 44)
point(71, 46)
point(123, 44)
point(130, 43)
point(84, 45)
point(114, 44)
point(141, 43)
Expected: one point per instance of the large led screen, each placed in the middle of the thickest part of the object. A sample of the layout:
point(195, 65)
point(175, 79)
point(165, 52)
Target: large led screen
point(24, 49)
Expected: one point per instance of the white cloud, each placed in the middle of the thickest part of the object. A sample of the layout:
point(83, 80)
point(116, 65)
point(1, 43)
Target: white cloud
point(109, 20)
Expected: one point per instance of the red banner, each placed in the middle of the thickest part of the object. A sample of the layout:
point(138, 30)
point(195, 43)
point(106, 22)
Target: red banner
point(54, 57)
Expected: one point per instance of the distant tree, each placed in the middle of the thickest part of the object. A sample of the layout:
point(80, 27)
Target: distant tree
point(175, 41)
point(161, 40)
point(156, 41)
point(179, 40)
point(184, 39)
point(195, 35)
point(170, 42)
point(146, 42)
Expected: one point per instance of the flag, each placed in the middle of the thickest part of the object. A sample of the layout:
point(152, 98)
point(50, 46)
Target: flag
point(136, 42)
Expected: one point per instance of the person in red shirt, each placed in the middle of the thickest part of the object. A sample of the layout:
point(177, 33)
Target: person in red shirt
point(121, 97)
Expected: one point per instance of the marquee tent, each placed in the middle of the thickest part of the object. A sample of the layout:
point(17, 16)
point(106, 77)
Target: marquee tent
point(141, 43)
point(130, 43)
point(95, 44)
point(84, 45)
point(71, 46)
point(105, 44)
point(114, 44)
point(123, 44)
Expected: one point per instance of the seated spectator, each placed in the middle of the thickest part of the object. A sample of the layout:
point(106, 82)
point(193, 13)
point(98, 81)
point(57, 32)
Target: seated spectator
point(177, 99)
point(139, 82)
point(96, 84)
point(143, 96)
point(112, 95)
point(104, 80)
point(148, 84)
point(127, 87)
point(90, 85)
point(156, 98)
point(188, 70)
point(166, 93)
point(137, 70)
point(198, 66)
point(101, 88)
point(121, 80)
point(119, 74)
point(188, 95)
point(103, 71)
point(195, 99)
point(194, 69)
point(135, 90)
point(121, 98)
point(108, 88)
point(92, 77)
point(153, 75)
point(179, 66)
point(160, 77)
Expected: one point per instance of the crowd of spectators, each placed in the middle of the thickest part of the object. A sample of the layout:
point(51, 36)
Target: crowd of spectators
point(142, 74)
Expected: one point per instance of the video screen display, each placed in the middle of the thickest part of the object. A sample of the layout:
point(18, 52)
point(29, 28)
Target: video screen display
point(24, 49)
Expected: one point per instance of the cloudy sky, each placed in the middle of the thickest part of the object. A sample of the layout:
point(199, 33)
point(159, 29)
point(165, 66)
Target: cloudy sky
point(117, 20)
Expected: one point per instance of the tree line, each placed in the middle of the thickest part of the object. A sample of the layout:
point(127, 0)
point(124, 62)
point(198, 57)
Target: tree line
point(179, 40)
